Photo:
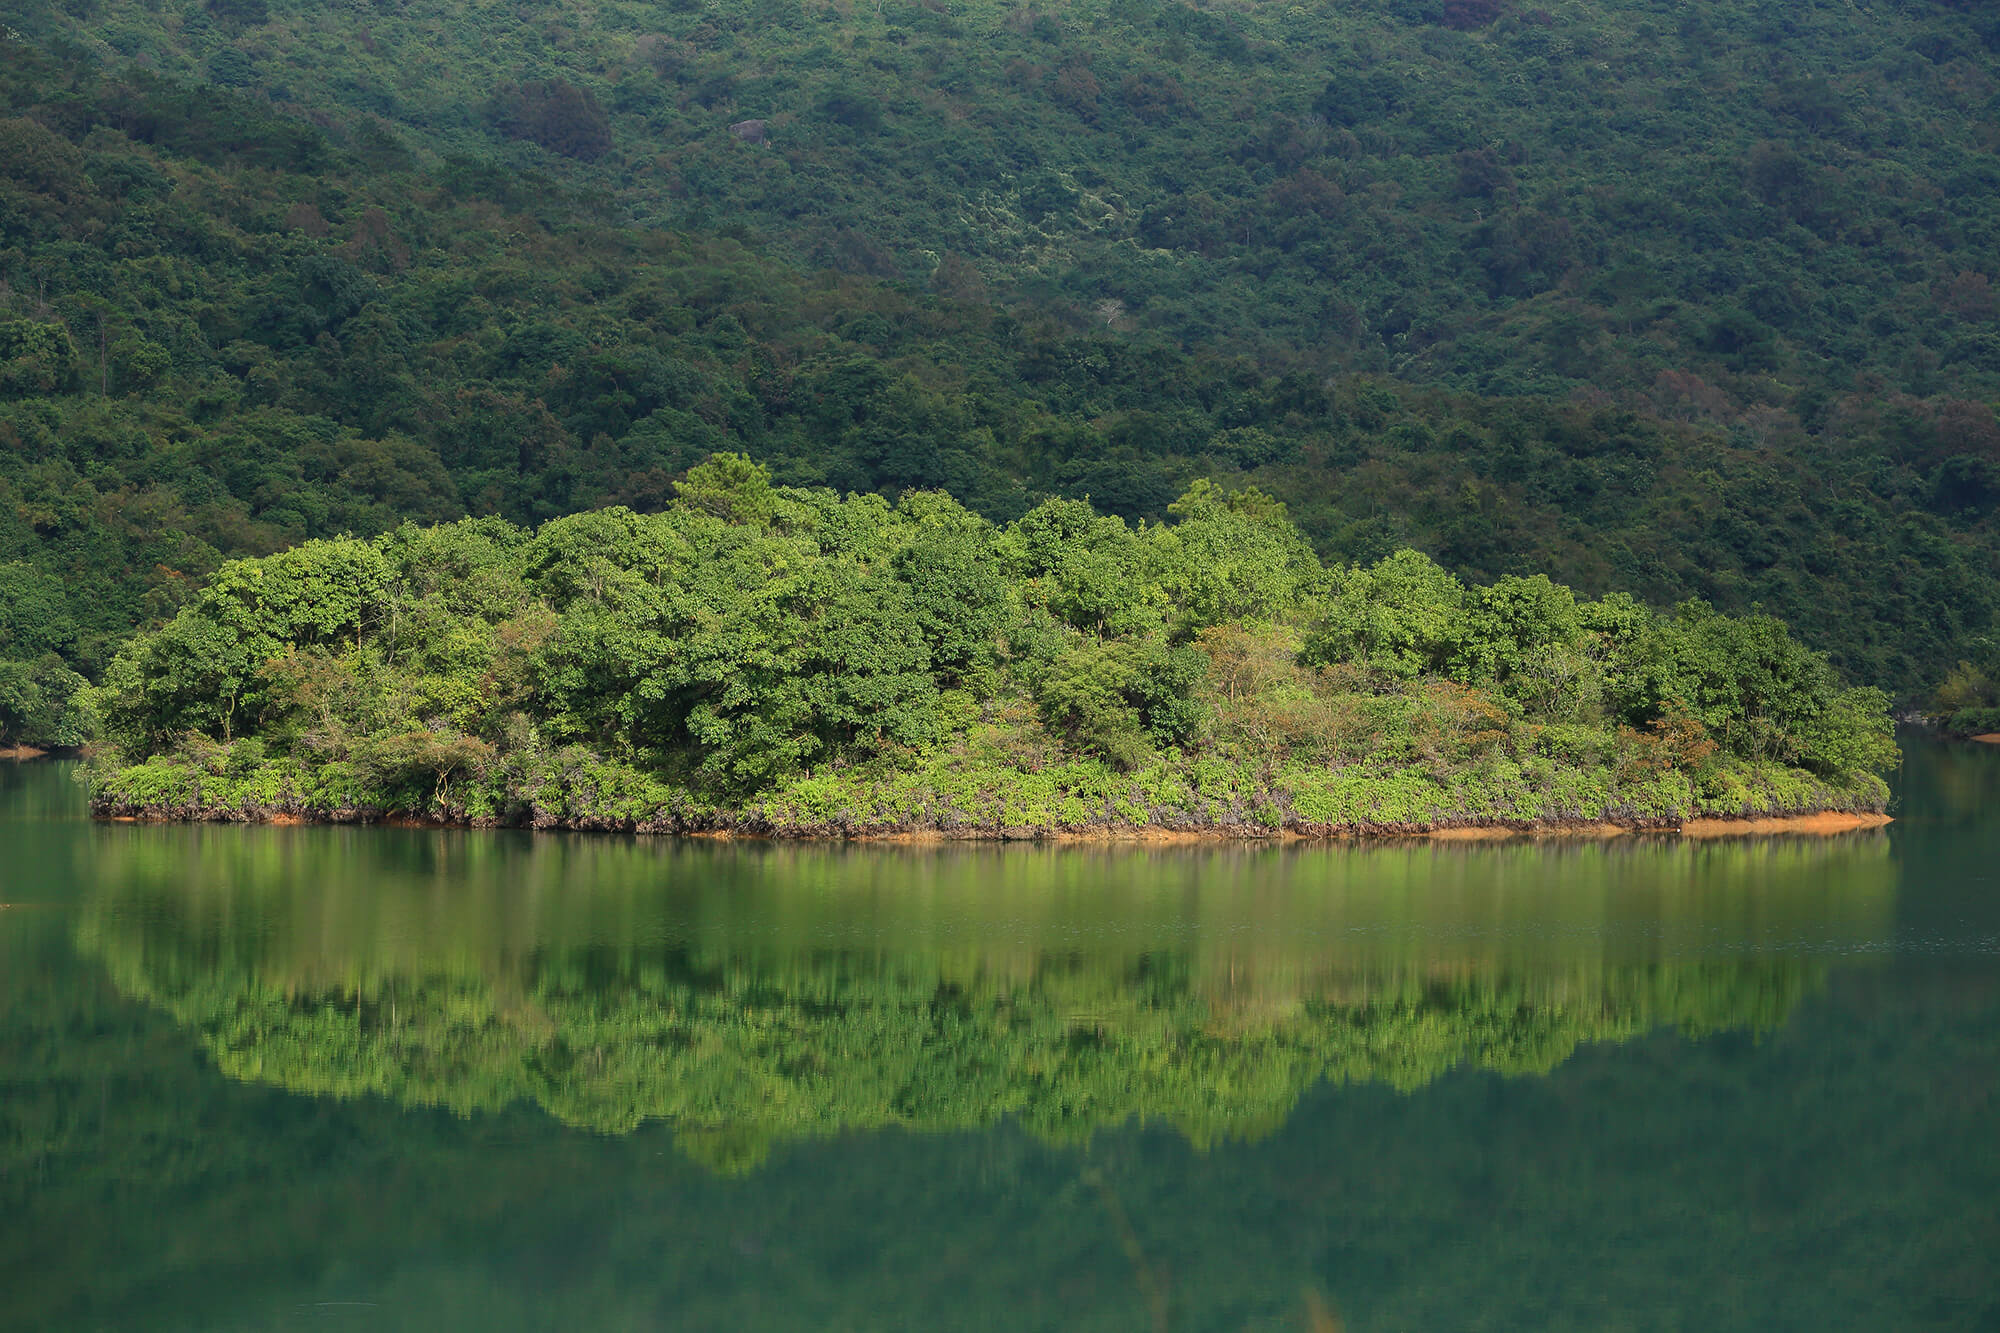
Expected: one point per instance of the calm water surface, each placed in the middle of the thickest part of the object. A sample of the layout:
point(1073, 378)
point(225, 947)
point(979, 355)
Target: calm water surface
point(264, 1078)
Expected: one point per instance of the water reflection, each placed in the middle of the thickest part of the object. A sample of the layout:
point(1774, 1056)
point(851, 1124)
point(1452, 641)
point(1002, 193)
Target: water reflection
point(753, 994)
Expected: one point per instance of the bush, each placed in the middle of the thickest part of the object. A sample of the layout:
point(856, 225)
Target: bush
point(555, 114)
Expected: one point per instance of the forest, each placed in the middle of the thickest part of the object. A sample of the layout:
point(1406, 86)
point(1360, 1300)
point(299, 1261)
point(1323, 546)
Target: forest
point(776, 659)
point(1682, 301)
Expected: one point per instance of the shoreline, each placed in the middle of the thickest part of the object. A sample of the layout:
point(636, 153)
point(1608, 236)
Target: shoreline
point(1809, 823)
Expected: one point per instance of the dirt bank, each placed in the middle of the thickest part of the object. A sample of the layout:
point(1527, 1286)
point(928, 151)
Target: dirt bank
point(1827, 823)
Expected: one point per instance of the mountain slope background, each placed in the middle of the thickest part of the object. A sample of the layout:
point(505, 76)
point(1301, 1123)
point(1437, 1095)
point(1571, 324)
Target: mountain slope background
point(1685, 299)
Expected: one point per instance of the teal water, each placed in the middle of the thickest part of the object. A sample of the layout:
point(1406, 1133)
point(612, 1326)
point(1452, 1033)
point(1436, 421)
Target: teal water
point(277, 1078)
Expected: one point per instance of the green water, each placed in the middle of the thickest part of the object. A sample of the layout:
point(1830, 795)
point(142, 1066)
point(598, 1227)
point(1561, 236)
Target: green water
point(265, 1078)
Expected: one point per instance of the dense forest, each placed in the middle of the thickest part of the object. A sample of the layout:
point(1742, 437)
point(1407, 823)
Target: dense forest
point(1689, 301)
point(783, 660)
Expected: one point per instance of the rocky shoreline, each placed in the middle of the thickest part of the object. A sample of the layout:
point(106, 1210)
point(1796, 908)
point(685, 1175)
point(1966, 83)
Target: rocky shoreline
point(723, 827)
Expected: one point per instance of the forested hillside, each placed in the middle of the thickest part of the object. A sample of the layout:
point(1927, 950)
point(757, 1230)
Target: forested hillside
point(1494, 195)
point(1686, 300)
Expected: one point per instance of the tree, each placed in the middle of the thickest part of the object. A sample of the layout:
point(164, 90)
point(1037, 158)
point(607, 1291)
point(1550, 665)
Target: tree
point(555, 114)
point(1404, 617)
point(43, 703)
point(35, 358)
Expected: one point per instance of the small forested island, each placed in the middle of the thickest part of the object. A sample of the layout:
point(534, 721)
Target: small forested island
point(770, 660)
point(1967, 703)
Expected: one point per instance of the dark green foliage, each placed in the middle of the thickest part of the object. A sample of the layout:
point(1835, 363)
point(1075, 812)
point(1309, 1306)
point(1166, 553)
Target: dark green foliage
point(35, 359)
point(1673, 308)
point(557, 115)
point(246, 13)
point(41, 704)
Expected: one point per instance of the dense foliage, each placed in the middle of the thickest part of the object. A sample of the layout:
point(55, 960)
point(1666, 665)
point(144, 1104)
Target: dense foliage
point(1967, 701)
point(1688, 303)
point(1496, 196)
point(764, 657)
point(41, 703)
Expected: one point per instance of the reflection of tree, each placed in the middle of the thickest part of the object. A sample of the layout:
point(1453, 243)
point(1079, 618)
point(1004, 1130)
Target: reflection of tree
point(144, 1191)
point(1954, 783)
point(741, 1056)
point(752, 997)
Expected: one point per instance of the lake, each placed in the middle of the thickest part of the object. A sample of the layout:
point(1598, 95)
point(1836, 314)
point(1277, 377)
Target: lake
point(371, 1078)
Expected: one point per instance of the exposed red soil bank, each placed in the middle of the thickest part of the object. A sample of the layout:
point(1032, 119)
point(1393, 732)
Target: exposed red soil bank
point(1828, 823)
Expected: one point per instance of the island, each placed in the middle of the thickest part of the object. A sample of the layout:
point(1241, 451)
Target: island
point(763, 660)
point(1966, 706)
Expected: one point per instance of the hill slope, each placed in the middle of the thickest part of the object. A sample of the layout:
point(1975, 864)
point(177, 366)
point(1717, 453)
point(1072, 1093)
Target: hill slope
point(326, 287)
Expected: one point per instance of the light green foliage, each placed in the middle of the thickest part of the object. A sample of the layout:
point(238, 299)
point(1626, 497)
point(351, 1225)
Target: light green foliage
point(771, 631)
point(1119, 697)
point(1756, 690)
point(1088, 570)
point(958, 593)
point(206, 666)
point(730, 487)
point(1523, 628)
point(766, 657)
point(1968, 701)
point(1232, 556)
point(1405, 617)
point(1968, 686)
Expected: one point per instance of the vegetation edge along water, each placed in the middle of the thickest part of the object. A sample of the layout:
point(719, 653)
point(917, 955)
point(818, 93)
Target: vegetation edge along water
point(774, 660)
point(1966, 705)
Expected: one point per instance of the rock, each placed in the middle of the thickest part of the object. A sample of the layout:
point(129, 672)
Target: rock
point(749, 131)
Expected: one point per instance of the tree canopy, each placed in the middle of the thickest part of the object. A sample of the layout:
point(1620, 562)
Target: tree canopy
point(1692, 306)
point(760, 655)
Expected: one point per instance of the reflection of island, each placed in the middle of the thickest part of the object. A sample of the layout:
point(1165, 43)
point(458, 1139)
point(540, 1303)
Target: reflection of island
point(752, 996)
